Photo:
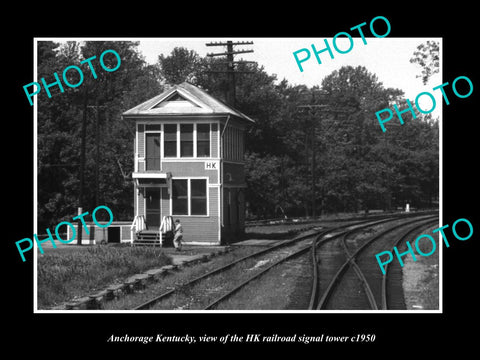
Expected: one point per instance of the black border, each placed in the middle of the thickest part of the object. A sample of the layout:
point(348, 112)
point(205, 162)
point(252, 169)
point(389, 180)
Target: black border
point(87, 333)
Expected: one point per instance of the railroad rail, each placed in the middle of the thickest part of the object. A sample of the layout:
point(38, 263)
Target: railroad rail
point(384, 291)
point(295, 254)
point(320, 302)
point(301, 245)
point(228, 266)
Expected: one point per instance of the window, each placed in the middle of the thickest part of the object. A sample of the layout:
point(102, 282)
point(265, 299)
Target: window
point(186, 140)
point(198, 197)
point(152, 151)
point(179, 197)
point(189, 197)
point(150, 127)
point(203, 140)
point(170, 140)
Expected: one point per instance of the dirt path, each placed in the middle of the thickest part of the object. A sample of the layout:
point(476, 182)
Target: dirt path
point(421, 277)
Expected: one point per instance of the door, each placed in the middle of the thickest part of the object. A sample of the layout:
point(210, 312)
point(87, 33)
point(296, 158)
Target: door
point(152, 207)
point(113, 234)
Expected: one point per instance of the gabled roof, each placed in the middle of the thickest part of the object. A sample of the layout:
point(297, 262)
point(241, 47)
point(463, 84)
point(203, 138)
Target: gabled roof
point(184, 99)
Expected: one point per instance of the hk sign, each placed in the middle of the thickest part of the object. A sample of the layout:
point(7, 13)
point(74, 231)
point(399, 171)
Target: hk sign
point(211, 165)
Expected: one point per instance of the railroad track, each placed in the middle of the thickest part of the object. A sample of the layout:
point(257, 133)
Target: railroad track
point(391, 283)
point(273, 256)
point(358, 282)
point(284, 249)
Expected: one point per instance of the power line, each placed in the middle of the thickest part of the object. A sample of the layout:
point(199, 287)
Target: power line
point(230, 98)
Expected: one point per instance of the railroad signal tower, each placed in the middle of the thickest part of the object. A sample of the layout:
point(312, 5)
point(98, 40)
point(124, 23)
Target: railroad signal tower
point(229, 53)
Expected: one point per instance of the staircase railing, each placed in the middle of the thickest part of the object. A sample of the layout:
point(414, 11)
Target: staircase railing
point(138, 225)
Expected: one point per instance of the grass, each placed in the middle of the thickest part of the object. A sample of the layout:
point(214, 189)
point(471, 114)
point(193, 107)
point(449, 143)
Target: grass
point(177, 278)
point(78, 271)
point(421, 277)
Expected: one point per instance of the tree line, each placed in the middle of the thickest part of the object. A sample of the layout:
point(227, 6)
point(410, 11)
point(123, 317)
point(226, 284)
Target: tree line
point(313, 150)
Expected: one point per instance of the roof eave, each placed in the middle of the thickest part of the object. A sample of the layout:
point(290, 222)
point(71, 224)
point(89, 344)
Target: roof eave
point(179, 115)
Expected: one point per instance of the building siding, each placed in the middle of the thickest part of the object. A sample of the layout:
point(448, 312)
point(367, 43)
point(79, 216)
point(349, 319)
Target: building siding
point(214, 193)
point(197, 229)
point(233, 174)
point(200, 228)
point(233, 214)
point(165, 202)
point(141, 140)
point(233, 142)
point(191, 169)
point(226, 151)
point(141, 203)
point(96, 234)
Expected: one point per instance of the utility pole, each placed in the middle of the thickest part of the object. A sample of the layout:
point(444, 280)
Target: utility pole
point(230, 98)
point(316, 111)
point(97, 148)
point(231, 92)
point(82, 167)
point(81, 196)
point(313, 114)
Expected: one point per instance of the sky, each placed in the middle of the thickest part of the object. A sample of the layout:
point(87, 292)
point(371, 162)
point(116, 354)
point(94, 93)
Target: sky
point(388, 58)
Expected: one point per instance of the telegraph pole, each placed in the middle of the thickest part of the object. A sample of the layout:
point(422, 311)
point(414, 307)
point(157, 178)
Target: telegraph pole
point(230, 98)
point(313, 110)
point(316, 111)
point(82, 167)
point(81, 197)
point(97, 148)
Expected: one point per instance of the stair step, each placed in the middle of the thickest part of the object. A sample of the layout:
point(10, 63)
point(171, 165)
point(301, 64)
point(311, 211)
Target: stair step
point(148, 237)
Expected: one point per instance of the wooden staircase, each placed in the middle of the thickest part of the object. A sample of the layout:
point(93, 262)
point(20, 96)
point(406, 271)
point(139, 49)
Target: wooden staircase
point(142, 236)
point(148, 238)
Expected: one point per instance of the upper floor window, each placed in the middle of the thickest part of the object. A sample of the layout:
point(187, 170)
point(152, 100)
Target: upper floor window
point(203, 140)
point(186, 140)
point(170, 140)
point(152, 156)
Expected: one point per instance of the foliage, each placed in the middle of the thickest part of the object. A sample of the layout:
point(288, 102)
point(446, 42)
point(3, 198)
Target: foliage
point(312, 150)
point(179, 66)
point(427, 56)
point(59, 128)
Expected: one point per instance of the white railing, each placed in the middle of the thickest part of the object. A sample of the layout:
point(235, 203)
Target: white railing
point(138, 225)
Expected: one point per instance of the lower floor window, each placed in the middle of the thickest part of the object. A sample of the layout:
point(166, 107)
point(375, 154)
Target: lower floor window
point(189, 197)
point(180, 197)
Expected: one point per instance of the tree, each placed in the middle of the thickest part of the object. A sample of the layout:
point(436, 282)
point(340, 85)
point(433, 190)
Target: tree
point(57, 138)
point(59, 128)
point(427, 56)
point(297, 160)
point(353, 95)
point(181, 65)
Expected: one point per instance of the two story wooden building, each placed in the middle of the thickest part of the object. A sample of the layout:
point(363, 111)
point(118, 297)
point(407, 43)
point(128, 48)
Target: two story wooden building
point(189, 164)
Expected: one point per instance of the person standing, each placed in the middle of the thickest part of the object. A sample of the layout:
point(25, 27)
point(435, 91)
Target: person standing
point(178, 237)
